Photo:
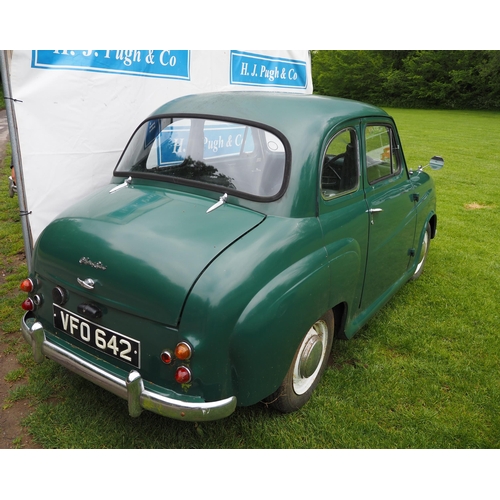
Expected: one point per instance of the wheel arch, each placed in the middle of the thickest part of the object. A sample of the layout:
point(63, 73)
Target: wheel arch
point(340, 319)
point(270, 329)
point(433, 225)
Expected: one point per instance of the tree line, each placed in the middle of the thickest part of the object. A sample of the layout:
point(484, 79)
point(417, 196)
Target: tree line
point(446, 79)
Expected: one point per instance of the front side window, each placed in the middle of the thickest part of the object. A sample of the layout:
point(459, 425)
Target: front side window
point(208, 153)
point(381, 154)
point(340, 170)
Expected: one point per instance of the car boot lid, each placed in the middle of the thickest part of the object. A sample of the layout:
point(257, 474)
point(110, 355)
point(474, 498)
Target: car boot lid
point(140, 250)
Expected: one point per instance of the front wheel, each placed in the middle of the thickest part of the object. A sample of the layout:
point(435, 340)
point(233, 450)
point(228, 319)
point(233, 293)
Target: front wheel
point(307, 367)
point(424, 250)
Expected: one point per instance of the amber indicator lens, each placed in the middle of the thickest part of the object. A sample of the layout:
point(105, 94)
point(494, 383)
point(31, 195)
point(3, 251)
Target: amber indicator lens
point(166, 357)
point(26, 285)
point(183, 375)
point(183, 351)
point(28, 305)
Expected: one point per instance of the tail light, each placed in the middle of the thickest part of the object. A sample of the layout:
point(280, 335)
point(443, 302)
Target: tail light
point(28, 305)
point(183, 351)
point(166, 357)
point(27, 285)
point(31, 303)
point(183, 375)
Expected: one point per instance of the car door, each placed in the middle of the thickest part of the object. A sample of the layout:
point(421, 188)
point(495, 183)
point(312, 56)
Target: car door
point(343, 216)
point(391, 210)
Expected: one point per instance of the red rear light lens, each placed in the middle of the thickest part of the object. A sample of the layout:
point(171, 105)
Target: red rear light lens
point(28, 305)
point(27, 285)
point(183, 375)
point(183, 351)
point(166, 357)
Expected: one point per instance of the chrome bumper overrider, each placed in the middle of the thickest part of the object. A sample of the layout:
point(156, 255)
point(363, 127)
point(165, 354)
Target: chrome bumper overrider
point(132, 388)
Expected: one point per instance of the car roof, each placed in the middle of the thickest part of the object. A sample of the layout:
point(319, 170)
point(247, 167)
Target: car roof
point(279, 110)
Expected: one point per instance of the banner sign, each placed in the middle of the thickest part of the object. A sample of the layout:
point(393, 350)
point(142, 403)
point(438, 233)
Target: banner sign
point(262, 71)
point(75, 110)
point(152, 63)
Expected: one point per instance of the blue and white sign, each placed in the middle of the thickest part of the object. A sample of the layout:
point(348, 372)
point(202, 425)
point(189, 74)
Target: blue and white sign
point(173, 141)
point(149, 63)
point(226, 140)
point(220, 140)
point(259, 70)
point(76, 110)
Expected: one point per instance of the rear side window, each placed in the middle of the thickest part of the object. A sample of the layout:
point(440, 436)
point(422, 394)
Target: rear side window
point(340, 170)
point(382, 159)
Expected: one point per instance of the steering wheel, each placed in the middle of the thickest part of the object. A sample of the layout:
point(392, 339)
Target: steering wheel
point(331, 161)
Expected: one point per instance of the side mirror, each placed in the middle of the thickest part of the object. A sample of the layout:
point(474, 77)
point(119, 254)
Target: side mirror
point(436, 162)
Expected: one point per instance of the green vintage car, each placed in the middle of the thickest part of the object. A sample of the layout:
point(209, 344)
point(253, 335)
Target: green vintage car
point(241, 233)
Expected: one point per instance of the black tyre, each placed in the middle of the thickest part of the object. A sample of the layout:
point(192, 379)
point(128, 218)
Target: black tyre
point(307, 367)
point(424, 250)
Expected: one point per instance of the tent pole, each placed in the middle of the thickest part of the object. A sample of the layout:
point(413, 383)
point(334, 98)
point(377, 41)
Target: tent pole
point(16, 157)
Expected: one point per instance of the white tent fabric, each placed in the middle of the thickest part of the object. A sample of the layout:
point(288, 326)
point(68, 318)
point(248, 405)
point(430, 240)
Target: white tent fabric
point(76, 110)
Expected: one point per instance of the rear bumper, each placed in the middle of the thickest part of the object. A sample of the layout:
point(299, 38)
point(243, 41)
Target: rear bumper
point(130, 388)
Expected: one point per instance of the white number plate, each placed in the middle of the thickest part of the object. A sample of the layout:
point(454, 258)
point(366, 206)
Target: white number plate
point(108, 341)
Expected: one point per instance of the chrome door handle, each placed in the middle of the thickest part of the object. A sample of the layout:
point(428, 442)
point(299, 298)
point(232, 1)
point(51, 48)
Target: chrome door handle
point(87, 283)
point(372, 211)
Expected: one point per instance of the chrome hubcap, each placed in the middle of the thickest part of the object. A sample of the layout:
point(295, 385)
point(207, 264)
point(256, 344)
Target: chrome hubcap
point(311, 354)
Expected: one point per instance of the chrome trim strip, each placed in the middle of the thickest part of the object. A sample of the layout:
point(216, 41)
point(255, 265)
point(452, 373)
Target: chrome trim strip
point(131, 389)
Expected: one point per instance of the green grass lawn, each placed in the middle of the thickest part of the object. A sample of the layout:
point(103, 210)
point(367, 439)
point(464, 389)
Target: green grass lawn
point(422, 374)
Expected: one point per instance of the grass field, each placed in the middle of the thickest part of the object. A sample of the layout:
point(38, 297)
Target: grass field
point(422, 374)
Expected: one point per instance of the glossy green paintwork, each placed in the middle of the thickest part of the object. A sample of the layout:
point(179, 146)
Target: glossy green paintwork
point(243, 283)
point(149, 240)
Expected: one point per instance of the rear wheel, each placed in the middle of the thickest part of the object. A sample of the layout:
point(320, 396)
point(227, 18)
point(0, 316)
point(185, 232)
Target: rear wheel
point(307, 367)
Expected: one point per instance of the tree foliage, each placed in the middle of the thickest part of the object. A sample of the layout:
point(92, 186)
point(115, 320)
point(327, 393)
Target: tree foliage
point(461, 79)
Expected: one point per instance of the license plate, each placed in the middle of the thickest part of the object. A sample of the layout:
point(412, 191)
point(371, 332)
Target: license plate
point(113, 343)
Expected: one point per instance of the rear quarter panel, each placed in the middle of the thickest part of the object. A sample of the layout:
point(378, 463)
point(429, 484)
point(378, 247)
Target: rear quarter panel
point(248, 312)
